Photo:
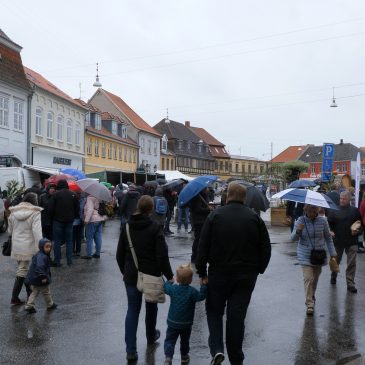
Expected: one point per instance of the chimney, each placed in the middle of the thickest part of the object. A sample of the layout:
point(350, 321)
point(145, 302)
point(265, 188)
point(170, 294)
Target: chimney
point(187, 124)
point(341, 141)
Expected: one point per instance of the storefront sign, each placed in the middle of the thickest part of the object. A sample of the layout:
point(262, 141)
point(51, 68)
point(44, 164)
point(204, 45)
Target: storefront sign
point(62, 161)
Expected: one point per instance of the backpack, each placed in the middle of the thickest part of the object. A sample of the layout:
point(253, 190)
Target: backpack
point(102, 209)
point(160, 205)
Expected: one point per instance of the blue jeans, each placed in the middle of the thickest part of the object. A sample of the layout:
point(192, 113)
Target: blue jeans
point(233, 290)
point(183, 213)
point(62, 233)
point(172, 334)
point(131, 320)
point(93, 233)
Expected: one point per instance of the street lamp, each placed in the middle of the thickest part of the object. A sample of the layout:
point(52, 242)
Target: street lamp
point(97, 83)
point(333, 104)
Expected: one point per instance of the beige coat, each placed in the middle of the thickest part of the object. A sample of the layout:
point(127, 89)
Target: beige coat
point(91, 210)
point(26, 230)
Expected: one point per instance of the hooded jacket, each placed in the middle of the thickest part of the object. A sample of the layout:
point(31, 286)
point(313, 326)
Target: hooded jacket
point(129, 202)
point(44, 200)
point(26, 230)
point(150, 246)
point(40, 267)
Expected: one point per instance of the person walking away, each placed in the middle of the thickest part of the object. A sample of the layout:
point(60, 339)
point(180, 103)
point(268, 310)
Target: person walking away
point(128, 203)
point(199, 210)
point(77, 230)
point(63, 208)
point(181, 312)
point(183, 214)
point(160, 208)
point(39, 277)
point(313, 233)
point(26, 230)
point(94, 225)
point(361, 248)
point(152, 254)
point(44, 200)
point(171, 200)
point(345, 237)
point(334, 193)
point(235, 243)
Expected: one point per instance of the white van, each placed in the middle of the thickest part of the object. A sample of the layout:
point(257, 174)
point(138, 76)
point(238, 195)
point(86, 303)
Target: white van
point(24, 176)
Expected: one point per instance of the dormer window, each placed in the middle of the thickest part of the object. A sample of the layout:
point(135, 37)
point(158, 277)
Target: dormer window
point(180, 144)
point(200, 146)
point(98, 122)
point(87, 119)
point(114, 127)
point(124, 131)
point(164, 141)
point(206, 148)
point(189, 145)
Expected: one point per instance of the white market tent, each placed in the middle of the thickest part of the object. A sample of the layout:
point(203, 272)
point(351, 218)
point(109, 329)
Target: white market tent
point(173, 175)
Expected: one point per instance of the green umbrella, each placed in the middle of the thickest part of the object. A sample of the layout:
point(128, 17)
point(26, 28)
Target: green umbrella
point(108, 185)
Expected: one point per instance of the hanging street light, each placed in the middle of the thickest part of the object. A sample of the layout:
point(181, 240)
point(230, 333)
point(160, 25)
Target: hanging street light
point(333, 104)
point(97, 83)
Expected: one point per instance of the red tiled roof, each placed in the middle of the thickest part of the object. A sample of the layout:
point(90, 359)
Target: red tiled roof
point(44, 84)
point(11, 68)
point(133, 117)
point(216, 148)
point(105, 133)
point(289, 154)
point(88, 106)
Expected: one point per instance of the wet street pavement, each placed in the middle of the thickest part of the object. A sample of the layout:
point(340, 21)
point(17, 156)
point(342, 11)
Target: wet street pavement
point(88, 325)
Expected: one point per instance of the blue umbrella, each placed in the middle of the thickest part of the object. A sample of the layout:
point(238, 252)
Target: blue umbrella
point(74, 172)
point(194, 187)
point(302, 184)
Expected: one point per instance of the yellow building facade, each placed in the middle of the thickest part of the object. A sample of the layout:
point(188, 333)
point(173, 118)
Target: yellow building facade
point(246, 167)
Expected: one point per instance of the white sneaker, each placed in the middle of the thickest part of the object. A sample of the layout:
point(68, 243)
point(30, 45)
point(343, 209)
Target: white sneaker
point(217, 359)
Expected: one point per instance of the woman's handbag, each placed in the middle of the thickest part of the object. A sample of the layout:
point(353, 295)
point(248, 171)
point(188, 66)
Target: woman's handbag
point(7, 247)
point(151, 286)
point(334, 265)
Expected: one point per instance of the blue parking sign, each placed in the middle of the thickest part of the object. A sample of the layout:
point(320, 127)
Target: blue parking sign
point(327, 162)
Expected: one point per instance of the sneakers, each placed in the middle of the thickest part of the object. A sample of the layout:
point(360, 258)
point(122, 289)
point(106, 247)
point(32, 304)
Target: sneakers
point(53, 306)
point(352, 289)
point(157, 336)
point(168, 361)
point(361, 250)
point(86, 257)
point(30, 310)
point(185, 359)
point(310, 311)
point(95, 256)
point(133, 356)
point(217, 359)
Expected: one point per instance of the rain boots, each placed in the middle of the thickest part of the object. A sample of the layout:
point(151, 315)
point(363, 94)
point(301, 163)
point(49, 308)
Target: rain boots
point(18, 284)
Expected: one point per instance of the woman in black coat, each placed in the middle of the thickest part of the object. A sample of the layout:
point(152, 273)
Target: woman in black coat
point(152, 254)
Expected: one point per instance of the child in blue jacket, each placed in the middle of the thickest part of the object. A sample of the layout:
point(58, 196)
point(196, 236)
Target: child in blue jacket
point(39, 276)
point(181, 313)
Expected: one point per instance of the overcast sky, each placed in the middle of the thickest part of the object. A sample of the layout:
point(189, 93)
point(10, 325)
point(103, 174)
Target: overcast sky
point(250, 72)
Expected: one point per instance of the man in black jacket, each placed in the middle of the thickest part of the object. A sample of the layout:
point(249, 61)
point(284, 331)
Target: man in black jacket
point(236, 244)
point(345, 238)
point(63, 208)
point(44, 201)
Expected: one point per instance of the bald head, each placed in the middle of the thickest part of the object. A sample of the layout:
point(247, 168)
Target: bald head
point(236, 192)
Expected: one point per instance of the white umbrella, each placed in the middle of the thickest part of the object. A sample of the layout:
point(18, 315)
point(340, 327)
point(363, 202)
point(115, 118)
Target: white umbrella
point(94, 188)
point(306, 196)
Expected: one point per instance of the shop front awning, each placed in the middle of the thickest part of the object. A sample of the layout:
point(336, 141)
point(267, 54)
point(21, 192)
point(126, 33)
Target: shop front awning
point(43, 170)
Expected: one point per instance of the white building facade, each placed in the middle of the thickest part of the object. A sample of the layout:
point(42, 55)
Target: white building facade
point(57, 126)
point(15, 94)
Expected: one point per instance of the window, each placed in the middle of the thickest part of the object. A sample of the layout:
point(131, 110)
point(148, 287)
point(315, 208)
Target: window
point(129, 155)
point(87, 119)
point(180, 144)
point(261, 169)
point(142, 145)
point(200, 148)
point(313, 169)
point(149, 147)
point(155, 148)
point(189, 145)
point(164, 145)
point(226, 166)
point(50, 125)
point(125, 154)
point(124, 132)
point(114, 151)
point(114, 128)
point(98, 122)
point(221, 165)
point(4, 112)
point(167, 164)
point(249, 168)
point(236, 167)
point(172, 164)
point(120, 155)
point(60, 128)
point(109, 150)
point(77, 134)
point(69, 131)
point(38, 121)
point(18, 115)
point(243, 168)
point(96, 148)
point(344, 167)
point(103, 149)
point(89, 146)
point(134, 156)
point(163, 163)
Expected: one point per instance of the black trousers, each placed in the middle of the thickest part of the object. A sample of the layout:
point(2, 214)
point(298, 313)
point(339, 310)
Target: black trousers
point(197, 229)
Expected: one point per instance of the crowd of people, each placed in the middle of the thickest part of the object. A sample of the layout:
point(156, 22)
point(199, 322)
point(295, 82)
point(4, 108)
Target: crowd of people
point(231, 247)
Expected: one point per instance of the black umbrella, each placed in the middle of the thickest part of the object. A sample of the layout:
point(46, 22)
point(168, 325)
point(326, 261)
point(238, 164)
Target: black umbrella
point(152, 183)
point(174, 184)
point(256, 200)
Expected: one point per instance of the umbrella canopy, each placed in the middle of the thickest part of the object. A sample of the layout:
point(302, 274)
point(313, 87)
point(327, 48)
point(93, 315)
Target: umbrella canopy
point(194, 187)
point(255, 199)
point(73, 186)
point(108, 185)
point(306, 196)
point(94, 188)
point(174, 184)
point(152, 183)
point(54, 179)
point(302, 184)
point(77, 174)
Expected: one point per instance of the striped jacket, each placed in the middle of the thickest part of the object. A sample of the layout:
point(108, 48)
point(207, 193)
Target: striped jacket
point(315, 233)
